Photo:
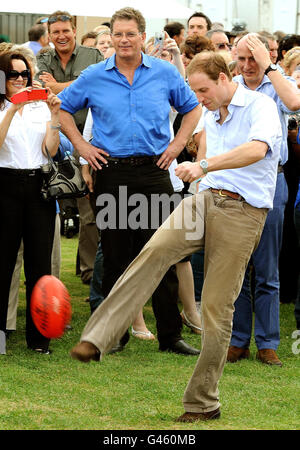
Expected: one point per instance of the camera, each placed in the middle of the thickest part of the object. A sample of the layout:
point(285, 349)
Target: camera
point(159, 39)
point(293, 121)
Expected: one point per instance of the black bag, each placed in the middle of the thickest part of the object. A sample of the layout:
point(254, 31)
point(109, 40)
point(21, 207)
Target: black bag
point(62, 179)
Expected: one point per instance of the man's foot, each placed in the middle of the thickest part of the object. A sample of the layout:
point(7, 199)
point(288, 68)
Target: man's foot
point(234, 354)
point(190, 417)
point(180, 347)
point(85, 352)
point(268, 356)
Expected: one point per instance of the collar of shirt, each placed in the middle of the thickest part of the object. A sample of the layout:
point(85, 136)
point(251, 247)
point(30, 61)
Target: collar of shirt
point(238, 99)
point(111, 62)
point(74, 52)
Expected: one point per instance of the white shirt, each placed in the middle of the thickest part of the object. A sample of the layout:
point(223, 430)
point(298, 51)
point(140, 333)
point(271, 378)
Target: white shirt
point(22, 148)
point(252, 116)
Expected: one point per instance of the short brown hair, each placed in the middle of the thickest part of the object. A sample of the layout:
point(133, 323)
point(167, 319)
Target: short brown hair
point(210, 63)
point(196, 44)
point(129, 14)
point(89, 35)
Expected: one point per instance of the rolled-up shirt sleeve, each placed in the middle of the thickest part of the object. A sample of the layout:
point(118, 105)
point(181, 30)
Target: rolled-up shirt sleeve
point(265, 123)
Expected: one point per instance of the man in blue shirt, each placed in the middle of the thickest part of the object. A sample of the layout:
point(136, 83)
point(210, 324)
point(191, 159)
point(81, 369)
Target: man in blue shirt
point(130, 96)
point(227, 217)
point(259, 74)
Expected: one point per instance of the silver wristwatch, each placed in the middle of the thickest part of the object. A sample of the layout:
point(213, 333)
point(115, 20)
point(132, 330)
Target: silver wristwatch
point(204, 165)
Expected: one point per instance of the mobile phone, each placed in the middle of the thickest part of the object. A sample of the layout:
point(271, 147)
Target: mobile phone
point(34, 94)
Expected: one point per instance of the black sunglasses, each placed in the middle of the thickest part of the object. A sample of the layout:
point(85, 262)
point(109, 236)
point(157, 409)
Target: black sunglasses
point(14, 74)
point(60, 18)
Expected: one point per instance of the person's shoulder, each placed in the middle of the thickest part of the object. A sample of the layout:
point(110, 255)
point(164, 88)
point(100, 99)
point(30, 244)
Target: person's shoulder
point(161, 63)
point(90, 52)
point(46, 55)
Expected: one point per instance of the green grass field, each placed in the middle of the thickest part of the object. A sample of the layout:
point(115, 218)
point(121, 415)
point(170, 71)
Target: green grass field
point(139, 388)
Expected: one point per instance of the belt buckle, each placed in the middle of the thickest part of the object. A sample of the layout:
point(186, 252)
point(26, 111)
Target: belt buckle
point(31, 173)
point(220, 193)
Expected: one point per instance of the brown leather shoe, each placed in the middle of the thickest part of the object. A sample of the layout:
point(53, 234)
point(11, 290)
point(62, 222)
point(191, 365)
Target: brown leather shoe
point(268, 356)
point(85, 352)
point(190, 417)
point(234, 354)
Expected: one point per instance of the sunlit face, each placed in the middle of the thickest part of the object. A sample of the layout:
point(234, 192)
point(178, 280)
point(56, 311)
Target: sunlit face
point(197, 25)
point(247, 65)
point(126, 39)
point(180, 37)
point(103, 43)
point(14, 86)
point(273, 50)
point(293, 66)
point(209, 92)
point(62, 35)
point(185, 59)
point(296, 76)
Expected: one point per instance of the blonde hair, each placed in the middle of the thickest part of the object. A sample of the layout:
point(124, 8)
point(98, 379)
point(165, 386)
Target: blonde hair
point(101, 28)
point(292, 56)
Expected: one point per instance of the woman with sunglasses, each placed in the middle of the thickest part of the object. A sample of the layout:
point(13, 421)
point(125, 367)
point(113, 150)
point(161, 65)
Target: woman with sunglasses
point(26, 129)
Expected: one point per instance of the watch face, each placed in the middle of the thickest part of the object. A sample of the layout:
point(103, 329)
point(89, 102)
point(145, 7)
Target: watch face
point(273, 67)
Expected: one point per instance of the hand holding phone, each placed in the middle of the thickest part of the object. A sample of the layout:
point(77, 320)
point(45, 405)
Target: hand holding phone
point(30, 95)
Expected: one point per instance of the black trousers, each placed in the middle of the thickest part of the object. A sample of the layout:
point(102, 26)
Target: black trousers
point(24, 215)
point(122, 185)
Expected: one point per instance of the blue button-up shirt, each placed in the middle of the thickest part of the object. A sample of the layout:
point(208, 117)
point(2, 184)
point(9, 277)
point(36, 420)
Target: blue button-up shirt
point(266, 87)
point(130, 119)
point(245, 122)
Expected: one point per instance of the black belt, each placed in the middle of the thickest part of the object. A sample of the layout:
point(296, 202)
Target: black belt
point(20, 172)
point(135, 160)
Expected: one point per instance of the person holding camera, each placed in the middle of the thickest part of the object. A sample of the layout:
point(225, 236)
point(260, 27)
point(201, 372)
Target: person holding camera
point(258, 73)
point(26, 129)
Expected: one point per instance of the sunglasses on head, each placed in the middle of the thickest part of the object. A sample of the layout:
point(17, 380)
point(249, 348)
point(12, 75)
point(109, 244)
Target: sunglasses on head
point(60, 18)
point(14, 74)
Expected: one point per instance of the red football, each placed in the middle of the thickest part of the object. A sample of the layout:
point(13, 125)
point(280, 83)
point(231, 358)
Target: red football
point(50, 306)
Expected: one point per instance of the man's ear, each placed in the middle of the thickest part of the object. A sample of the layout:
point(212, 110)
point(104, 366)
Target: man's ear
point(222, 76)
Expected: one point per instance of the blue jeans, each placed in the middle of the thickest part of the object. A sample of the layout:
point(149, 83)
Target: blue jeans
point(96, 295)
point(266, 283)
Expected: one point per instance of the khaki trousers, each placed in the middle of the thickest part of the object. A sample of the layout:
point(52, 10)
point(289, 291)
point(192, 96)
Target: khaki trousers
point(230, 230)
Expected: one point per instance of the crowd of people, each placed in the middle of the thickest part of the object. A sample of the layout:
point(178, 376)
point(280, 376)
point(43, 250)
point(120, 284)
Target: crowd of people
point(209, 114)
